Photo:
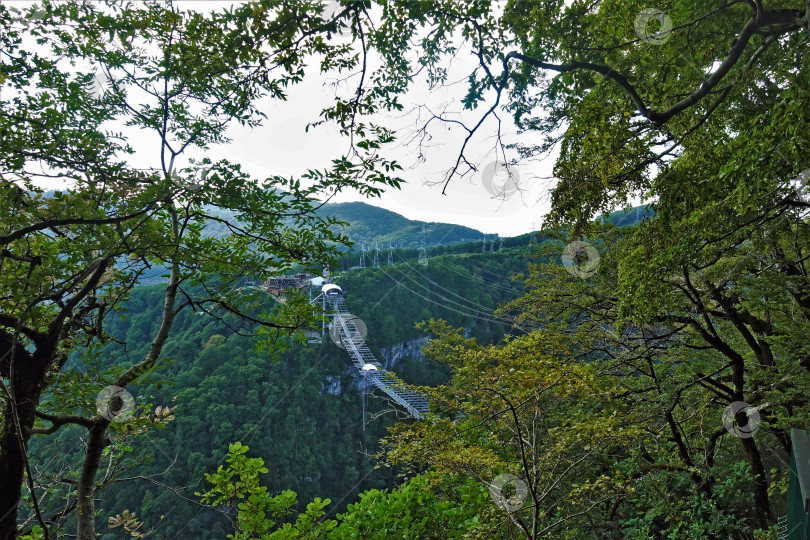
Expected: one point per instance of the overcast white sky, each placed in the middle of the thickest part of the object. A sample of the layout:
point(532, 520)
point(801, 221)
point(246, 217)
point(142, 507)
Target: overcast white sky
point(281, 146)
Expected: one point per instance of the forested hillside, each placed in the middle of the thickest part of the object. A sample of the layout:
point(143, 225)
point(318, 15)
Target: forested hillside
point(372, 228)
point(365, 224)
point(299, 410)
point(617, 374)
point(369, 224)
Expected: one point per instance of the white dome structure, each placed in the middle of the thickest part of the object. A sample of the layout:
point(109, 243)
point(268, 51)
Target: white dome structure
point(369, 367)
point(330, 289)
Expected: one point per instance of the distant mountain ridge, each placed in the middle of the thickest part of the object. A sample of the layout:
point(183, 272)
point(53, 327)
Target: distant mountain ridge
point(369, 224)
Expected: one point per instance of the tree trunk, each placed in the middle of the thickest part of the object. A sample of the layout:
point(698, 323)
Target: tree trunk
point(11, 475)
point(26, 376)
point(97, 436)
point(85, 505)
point(761, 500)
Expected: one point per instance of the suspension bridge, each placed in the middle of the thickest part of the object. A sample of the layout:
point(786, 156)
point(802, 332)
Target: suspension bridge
point(346, 332)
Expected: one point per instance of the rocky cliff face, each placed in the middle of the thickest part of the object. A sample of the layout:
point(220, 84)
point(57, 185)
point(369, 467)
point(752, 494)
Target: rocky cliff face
point(391, 356)
point(332, 385)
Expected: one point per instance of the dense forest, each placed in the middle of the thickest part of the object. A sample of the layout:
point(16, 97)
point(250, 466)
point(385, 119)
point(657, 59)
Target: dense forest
point(368, 225)
point(299, 409)
point(637, 367)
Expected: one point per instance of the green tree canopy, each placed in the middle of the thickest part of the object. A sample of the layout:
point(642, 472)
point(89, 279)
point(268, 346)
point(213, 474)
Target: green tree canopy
point(71, 73)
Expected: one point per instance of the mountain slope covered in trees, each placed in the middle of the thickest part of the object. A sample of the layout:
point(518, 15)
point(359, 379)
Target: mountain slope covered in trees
point(367, 224)
point(300, 410)
point(653, 385)
point(370, 224)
